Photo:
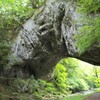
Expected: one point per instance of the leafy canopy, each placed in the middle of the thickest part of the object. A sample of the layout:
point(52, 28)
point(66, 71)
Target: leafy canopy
point(90, 33)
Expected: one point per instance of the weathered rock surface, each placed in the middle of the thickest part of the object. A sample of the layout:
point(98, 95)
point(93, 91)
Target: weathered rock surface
point(48, 37)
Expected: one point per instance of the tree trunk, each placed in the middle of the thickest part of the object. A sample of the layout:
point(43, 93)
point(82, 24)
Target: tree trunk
point(47, 37)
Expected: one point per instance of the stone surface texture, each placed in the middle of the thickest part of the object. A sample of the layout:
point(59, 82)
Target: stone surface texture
point(47, 37)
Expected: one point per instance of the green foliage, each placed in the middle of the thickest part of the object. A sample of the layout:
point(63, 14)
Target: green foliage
point(98, 90)
point(90, 6)
point(13, 13)
point(90, 32)
point(47, 86)
point(80, 75)
point(4, 51)
point(82, 84)
point(89, 35)
point(70, 75)
point(40, 88)
point(37, 3)
point(60, 77)
point(97, 81)
point(70, 65)
point(78, 84)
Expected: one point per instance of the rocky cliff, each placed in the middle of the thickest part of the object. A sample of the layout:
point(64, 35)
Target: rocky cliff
point(47, 37)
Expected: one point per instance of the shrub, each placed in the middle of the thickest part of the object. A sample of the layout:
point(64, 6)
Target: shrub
point(60, 78)
point(97, 82)
point(77, 84)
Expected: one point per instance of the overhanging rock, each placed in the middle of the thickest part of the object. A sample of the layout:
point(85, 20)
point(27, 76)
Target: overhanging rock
point(47, 37)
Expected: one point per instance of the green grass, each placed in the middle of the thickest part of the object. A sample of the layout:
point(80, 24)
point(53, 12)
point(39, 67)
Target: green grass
point(98, 90)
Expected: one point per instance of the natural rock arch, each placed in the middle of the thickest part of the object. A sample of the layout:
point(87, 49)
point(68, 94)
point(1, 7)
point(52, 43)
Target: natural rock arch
point(47, 37)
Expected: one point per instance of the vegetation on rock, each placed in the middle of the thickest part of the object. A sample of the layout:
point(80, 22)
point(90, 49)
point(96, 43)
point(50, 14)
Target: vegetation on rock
point(13, 14)
point(90, 32)
point(70, 75)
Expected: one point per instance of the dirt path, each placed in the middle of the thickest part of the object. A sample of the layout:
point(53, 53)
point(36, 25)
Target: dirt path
point(95, 96)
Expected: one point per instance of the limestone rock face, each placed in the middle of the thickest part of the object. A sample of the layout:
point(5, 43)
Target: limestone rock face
point(47, 37)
